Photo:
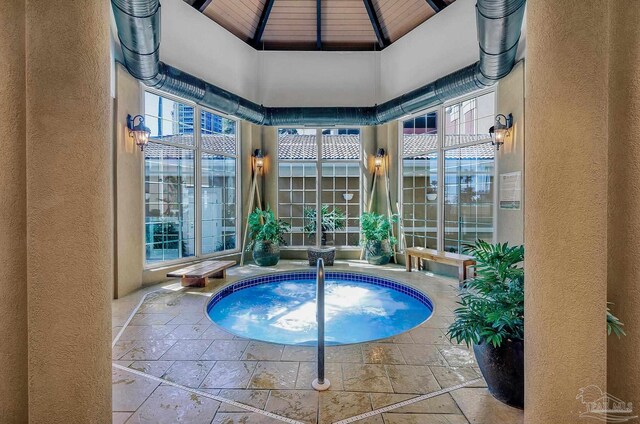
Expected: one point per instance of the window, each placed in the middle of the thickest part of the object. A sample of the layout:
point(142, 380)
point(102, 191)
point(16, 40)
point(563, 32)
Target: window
point(448, 176)
point(190, 181)
point(339, 183)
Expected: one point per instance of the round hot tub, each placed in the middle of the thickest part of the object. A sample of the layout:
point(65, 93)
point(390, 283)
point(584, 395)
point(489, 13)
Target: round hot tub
point(281, 308)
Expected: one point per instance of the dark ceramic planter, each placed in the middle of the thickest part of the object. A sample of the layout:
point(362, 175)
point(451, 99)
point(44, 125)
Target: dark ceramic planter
point(378, 252)
point(266, 253)
point(503, 370)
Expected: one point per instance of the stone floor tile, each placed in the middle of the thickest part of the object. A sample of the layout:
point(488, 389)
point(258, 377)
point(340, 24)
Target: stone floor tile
point(147, 350)
point(154, 368)
point(423, 419)
point(229, 375)
point(309, 371)
point(442, 322)
point(146, 332)
point(421, 354)
point(255, 398)
point(169, 405)
point(349, 353)
point(442, 404)
point(412, 379)
point(450, 376)
point(186, 350)
point(299, 353)
point(365, 378)
point(480, 407)
point(274, 375)
point(121, 347)
point(151, 319)
point(192, 318)
point(336, 406)
point(458, 356)
point(426, 335)
point(259, 351)
point(120, 417)
point(215, 332)
point(404, 338)
point(188, 331)
point(129, 390)
point(243, 418)
point(301, 405)
point(381, 353)
point(225, 350)
point(188, 373)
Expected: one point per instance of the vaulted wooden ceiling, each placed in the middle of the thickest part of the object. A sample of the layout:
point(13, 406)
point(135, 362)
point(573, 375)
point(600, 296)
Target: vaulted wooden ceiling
point(319, 24)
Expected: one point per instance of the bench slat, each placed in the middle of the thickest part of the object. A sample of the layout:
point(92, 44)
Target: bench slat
point(202, 270)
point(448, 258)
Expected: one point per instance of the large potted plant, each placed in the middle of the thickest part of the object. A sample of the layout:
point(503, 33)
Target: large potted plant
point(491, 318)
point(329, 221)
point(376, 237)
point(266, 234)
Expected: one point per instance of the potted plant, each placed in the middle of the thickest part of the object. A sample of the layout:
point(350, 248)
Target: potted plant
point(376, 236)
point(266, 234)
point(491, 318)
point(432, 191)
point(329, 221)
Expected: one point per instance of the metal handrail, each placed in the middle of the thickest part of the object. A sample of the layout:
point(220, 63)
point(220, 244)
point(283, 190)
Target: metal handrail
point(320, 383)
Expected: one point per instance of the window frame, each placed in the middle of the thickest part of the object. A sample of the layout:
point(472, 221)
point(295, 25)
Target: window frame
point(440, 150)
point(319, 161)
point(197, 153)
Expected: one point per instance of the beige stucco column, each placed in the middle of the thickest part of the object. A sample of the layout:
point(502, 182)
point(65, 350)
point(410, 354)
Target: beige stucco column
point(623, 372)
point(13, 201)
point(69, 211)
point(566, 216)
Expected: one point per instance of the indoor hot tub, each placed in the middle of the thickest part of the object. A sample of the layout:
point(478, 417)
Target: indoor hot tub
point(281, 308)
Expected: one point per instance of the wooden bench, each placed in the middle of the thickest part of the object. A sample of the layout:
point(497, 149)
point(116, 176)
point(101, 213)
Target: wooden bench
point(198, 275)
point(455, 259)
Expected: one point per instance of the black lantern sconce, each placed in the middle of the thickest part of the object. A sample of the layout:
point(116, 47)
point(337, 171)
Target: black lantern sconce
point(258, 160)
point(379, 158)
point(501, 129)
point(139, 132)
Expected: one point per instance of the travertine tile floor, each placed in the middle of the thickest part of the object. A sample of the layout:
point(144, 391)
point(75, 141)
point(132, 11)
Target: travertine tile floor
point(172, 364)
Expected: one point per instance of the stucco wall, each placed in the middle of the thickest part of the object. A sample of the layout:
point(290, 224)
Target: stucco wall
point(510, 157)
point(623, 229)
point(129, 180)
point(566, 217)
point(69, 211)
point(13, 203)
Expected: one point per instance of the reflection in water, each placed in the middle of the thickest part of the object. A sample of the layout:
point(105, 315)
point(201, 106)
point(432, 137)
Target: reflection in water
point(285, 312)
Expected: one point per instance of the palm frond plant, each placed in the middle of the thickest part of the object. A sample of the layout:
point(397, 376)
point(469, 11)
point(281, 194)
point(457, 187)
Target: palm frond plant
point(329, 221)
point(375, 230)
point(614, 325)
point(267, 235)
point(492, 308)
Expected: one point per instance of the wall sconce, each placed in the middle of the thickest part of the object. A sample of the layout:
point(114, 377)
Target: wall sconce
point(500, 130)
point(139, 132)
point(258, 160)
point(379, 158)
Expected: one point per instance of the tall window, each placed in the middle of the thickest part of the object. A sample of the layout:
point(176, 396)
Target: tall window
point(420, 180)
point(448, 175)
point(339, 168)
point(189, 174)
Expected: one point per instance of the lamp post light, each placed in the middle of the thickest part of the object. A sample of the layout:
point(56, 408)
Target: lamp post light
point(139, 132)
point(258, 160)
point(500, 130)
point(379, 158)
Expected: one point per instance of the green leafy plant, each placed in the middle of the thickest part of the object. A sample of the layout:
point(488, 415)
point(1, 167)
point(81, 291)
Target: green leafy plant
point(376, 227)
point(263, 226)
point(613, 324)
point(329, 221)
point(492, 308)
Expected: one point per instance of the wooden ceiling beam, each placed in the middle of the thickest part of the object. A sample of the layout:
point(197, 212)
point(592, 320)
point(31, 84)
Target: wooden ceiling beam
point(262, 23)
point(375, 23)
point(437, 5)
point(200, 5)
point(318, 25)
